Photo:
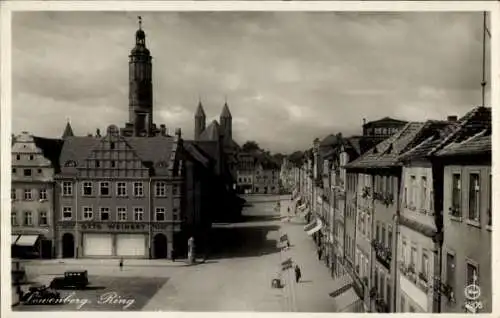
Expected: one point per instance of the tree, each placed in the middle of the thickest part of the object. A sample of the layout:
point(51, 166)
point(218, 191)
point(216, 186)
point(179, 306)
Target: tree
point(250, 146)
point(278, 157)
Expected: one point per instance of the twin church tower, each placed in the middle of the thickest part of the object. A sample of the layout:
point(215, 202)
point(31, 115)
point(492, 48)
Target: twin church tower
point(140, 122)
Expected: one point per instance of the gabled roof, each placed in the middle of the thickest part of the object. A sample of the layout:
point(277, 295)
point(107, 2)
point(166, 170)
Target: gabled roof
point(212, 132)
point(386, 120)
point(386, 153)
point(151, 150)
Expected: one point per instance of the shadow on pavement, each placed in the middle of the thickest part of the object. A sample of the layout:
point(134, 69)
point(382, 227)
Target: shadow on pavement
point(233, 242)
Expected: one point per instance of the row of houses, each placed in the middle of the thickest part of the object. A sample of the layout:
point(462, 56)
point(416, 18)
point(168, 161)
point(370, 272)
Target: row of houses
point(257, 173)
point(404, 218)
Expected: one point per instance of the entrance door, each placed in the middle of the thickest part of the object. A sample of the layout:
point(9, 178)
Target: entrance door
point(97, 244)
point(160, 246)
point(68, 246)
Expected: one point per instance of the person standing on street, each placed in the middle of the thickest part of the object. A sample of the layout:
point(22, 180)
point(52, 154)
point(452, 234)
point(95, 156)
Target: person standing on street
point(298, 273)
point(121, 263)
point(320, 252)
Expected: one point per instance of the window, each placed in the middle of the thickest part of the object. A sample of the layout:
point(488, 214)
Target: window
point(450, 271)
point(14, 170)
point(389, 238)
point(122, 214)
point(490, 190)
point(161, 189)
point(413, 191)
point(413, 256)
point(381, 285)
point(405, 198)
point(27, 172)
point(375, 278)
point(388, 293)
point(138, 189)
point(67, 188)
point(97, 164)
point(423, 194)
point(474, 197)
point(67, 213)
point(113, 164)
point(104, 212)
point(13, 194)
point(456, 195)
point(402, 306)
point(87, 188)
point(31, 157)
point(383, 235)
point(138, 214)
point(472, 274)
point(111, 145)
point(28, 218)
point(28, 194)
point(160, 214)
point(87, 213)
point(18, 157)
point(39, 171)
point(13, 218)
point(43, 194)
point(43, 218)
point(425, 265)
point(363, 224)
point(377, 232)
point(121, 189)
point(104, 188)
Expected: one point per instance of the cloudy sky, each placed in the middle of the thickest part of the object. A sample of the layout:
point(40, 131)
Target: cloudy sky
point(288, 77)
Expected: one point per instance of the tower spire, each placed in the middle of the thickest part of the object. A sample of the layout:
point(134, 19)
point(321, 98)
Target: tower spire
point(483, 82)
point(140, 22)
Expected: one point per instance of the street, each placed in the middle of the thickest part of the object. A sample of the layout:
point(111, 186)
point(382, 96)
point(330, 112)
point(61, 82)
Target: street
point(236, 277)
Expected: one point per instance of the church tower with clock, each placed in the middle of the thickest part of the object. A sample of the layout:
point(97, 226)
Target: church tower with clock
point(140, 122)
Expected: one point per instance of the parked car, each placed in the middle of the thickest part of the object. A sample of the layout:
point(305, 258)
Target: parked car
point(41, 295)
point(73, 279)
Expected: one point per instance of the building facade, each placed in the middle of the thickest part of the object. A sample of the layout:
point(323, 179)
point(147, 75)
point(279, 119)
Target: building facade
point(32, 196)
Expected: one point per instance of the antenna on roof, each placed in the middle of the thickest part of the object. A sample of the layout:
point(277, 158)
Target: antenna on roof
point(483, 82)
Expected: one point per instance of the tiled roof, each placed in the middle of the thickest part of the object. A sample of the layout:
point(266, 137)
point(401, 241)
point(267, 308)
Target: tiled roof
point(354, 143)
point(148, 149)
point(386, 153)
point(472, 123)
point(51, 149)
point(476, 145)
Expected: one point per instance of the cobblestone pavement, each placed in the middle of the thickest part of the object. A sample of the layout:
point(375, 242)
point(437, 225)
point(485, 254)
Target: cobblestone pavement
point(236, 277)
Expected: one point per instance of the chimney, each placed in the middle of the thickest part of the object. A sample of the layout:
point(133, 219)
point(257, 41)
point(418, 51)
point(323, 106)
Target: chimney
point(364, 121)
point(163, 130)
point(452, 118)
point(98, 133)
point(178, 132)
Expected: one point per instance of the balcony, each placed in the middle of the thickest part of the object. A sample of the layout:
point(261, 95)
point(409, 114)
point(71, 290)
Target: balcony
point(383, 254)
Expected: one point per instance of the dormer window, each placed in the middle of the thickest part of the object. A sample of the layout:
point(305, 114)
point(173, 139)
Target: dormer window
point(70, 163)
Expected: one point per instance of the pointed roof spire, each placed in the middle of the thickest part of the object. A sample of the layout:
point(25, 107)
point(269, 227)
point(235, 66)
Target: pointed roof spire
point(68, 131)
point(199, 111)
point(225, 110)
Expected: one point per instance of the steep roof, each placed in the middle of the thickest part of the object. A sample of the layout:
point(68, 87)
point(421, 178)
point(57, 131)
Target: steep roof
point(68, 131)
point(385, 120)
point(476, 145)
point(212, 132)
point(151, 150)
point(225, 111)
point(386, 153)
point(199, 111)
point(478, 120)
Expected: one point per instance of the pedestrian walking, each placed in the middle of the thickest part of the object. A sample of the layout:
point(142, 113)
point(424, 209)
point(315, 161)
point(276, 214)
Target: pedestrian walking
point(320, 252)
point(172, 255)
point(121, 263)
point(298, 273)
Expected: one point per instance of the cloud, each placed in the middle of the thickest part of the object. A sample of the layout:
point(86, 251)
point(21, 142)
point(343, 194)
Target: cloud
point(288, 76)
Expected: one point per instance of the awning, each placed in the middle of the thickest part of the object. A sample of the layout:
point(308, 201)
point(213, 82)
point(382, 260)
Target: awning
point(310, 226)
point(345, 301)
point(315, 229)
point(14, 239)
point(341, 284)
point(27, 240)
